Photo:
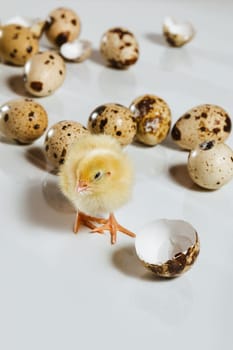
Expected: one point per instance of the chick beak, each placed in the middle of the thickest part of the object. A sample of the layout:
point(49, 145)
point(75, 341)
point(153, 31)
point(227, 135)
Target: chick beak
point(81, 186)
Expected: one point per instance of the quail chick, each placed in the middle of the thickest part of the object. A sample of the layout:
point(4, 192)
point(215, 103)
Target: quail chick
point(97, 177)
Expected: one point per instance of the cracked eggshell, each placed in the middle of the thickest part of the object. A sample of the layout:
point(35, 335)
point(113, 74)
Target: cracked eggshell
point(119, 48)
point(77, 51)
point(23, 120)
point(63, 25)
point(36, 25)
point(177, 34)
point(153, 117)
point(44, 73)
point(210, 165)
point(115, 120)
point(167, 247)
point(59, 138)
point(199, 124)
point(17, 44)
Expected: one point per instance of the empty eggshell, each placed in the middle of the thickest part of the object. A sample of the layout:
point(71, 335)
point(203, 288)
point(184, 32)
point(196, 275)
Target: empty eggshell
point(167, 247)
point(153, 117)
point(115, 120)
point(177, 34)
point(59, 138)
point(17, 44)
point(77, 51)
point(119, 47)
point(62, 26)
point(23, 120)
point(210, 165)
point(44, 73)
point(36, 25)
point(199, 124)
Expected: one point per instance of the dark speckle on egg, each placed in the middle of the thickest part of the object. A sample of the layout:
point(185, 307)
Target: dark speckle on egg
point(176, 134)
point(36, 85)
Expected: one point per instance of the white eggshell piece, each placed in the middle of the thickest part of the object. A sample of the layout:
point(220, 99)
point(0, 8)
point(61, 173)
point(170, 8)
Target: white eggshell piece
point(76, 51)
point(162, 239)
point(185, 29)
point(177, 34)
point(17, 20)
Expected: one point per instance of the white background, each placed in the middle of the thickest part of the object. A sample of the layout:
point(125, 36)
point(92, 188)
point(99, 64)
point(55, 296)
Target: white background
point(64, 291)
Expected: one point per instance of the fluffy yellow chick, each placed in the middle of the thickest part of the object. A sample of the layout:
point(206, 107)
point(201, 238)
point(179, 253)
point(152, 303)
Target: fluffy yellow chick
point(97, 177)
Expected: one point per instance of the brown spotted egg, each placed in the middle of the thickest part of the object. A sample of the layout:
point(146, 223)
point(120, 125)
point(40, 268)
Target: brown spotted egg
point(210, 165)
point(44, 73)
point(153, 117)
point(202, 123)
point(119, 47)
point(59, 138)
point(115, 120)
point(62, 26)
point(23, 120)
point(17, 44)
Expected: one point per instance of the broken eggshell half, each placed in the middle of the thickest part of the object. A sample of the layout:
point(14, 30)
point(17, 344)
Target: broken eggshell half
point(76, 51)
point(177, 34)
point(35, 25)
point(167, 247)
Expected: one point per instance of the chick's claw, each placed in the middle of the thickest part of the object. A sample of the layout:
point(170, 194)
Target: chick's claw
point(82, 219)
point(112, 226)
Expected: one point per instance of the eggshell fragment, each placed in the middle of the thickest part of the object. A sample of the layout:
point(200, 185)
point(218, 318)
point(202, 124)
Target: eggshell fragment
point(77, 51)
point(23, 120)
point(177, 34)
point(17, 44)
point(63, 25)
point(119, 47)
point(153, 117)
point(210, 165)
point(59, 138)
point(115, 120)
point(36, 25)
point(199, 124)
point(44, 73)
point(167, 247)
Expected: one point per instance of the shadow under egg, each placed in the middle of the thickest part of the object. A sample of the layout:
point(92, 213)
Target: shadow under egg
point(36, 156)
point(156, 38)
point(38, 213)
point(97, 58)
point(16, 84)
point(179, 173)
point(126, 261)
point(54, 197)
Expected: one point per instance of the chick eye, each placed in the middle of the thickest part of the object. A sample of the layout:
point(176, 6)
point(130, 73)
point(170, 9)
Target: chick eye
point(97, 175)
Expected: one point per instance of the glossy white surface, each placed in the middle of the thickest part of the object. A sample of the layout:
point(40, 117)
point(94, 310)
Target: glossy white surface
point(62, 291)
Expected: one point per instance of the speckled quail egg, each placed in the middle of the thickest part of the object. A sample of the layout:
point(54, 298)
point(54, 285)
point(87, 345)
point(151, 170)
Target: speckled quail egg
point(199, 124)
point(153, 117)
point(17, 44)
point(59, 138)
point(115, 120)
point(167, 247)
point(119, 47)
point(44, 73)
point(210, 165)
point(177, 34)
point(23, 120)
point(63, 25)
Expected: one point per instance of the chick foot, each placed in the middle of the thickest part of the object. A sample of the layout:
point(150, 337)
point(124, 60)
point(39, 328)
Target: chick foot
point(83, 219)
point(112, 226)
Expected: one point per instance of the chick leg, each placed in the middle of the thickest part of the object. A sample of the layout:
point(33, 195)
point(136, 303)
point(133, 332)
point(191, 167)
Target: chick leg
point(112, 226)
point(84, 219)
